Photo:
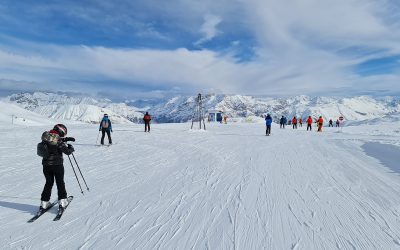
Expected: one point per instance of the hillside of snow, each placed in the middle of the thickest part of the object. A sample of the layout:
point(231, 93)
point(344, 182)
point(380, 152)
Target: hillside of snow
point(11, 114)
point(230, 187)
point(85, 109)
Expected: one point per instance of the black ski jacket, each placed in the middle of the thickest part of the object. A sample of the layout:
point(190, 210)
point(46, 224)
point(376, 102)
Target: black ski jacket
point(55, 152)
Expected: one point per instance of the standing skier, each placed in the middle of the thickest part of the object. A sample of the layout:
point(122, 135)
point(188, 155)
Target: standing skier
point(294, 122)
point(147, 119)
point(268, 123)
point(330, 123)
point(320, 123)
point(105, 127)
point(337, 123)
point(309, 122)
point(51, 149)
point(301, 122)
point(281, 124)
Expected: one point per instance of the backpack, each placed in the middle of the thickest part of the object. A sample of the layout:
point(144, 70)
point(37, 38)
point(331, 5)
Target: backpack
point(105, 124)
point(47, 138)
point(42, 150)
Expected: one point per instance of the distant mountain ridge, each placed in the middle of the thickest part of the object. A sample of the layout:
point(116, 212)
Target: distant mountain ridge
point(180, 108)
point(358, 108)
point(77, 108)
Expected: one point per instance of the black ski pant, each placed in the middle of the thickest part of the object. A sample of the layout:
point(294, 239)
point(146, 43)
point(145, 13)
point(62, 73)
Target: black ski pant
point(308, 127)
point(50, 173)
point(268, 131)
point(147, 127)
point(103, 134)
point(294, 125)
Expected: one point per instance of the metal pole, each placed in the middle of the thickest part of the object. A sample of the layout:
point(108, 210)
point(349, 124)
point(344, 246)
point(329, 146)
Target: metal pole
point(75, 174)
point(80, 171)
point(97, 137)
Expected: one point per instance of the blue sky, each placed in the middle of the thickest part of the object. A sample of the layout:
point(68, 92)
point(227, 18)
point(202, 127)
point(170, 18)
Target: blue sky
point(150, 49)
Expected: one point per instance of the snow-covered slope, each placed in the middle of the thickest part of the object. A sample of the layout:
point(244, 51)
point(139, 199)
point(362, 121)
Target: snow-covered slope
point(11, 114)
point(86, 109)
point(228, 188)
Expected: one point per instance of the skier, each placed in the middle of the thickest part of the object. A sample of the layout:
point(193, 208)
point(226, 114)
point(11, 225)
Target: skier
point(147, 119)
point(105, 127)
point(330, 123)
point(301, 122)
point(309, 122)
point(337, 123)
point(294, 122)
point(268, 123)
point(51, 149)
point(282, 122)
point(320, 123)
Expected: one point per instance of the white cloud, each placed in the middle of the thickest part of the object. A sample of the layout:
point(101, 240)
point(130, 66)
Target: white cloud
point(299, 50)
point(209, 28)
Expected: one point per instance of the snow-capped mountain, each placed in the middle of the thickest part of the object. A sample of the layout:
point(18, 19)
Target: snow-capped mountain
point(181, 108)
point(86, 109)
point(361, 108)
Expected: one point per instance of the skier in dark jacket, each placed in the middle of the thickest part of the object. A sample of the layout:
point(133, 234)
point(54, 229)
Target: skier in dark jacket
point(268, 123)
point(282, 122)
point(330, 123)
point(105, 127)
point(51, 149)
point(147, 119)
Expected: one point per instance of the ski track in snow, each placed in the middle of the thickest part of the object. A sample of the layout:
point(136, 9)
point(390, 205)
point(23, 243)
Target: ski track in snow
point(228, 188)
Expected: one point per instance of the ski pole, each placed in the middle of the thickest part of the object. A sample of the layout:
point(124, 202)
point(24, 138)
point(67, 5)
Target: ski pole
point(80, 171)
point(75, 174)
point(97, 137)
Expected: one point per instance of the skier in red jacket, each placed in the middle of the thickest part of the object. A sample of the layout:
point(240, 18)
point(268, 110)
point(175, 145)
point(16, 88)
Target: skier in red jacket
point(147, 119)
point(309, 122)
point(294, 122)
point(320, 123)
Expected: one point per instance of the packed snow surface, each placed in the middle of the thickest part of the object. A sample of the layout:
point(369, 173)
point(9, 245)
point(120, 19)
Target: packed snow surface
point(230, 187)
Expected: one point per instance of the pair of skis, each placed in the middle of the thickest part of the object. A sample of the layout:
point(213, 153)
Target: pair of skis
point(59, 214)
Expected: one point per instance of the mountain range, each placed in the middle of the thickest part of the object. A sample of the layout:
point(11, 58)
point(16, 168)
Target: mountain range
point(59, 106)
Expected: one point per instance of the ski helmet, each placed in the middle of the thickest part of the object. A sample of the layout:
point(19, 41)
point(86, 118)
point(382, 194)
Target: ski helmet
point(61, 129)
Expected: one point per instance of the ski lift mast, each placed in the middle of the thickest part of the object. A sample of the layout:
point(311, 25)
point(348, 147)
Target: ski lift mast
point(198, 113)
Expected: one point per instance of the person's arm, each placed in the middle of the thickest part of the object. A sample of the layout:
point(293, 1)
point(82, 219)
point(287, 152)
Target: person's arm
point(66, 148)
point(110, 125)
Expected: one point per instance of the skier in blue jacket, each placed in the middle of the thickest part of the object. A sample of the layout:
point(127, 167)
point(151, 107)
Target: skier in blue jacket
point(105, 127)
point(268, 122)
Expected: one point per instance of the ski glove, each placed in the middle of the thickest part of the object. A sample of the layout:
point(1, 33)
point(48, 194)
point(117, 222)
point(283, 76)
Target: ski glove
point(68, 139)
point(71, 148)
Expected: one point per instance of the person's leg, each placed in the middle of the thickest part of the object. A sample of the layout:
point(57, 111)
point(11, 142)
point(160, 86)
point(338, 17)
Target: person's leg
point(59, 174)
point(103, 133)
point(48, 174)
point(109, 136)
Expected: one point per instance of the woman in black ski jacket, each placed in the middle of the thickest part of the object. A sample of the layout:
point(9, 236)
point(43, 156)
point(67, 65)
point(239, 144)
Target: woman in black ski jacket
point(51, 149)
